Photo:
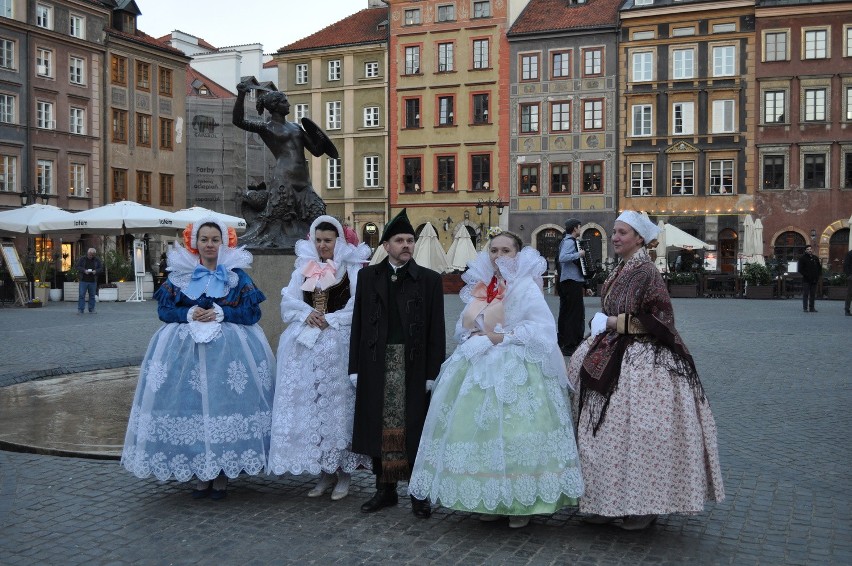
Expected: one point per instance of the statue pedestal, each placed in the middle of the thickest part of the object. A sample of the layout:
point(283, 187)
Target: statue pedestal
point(271, 271)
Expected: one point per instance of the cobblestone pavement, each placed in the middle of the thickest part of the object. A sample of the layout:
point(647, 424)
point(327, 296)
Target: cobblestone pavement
point(777, 379)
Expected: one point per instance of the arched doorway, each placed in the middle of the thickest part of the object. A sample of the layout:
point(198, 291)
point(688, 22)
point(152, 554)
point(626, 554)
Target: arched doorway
point(547, 244)
point(789, 246)
point(728, 249)
point(838, 247)
point(370, 235)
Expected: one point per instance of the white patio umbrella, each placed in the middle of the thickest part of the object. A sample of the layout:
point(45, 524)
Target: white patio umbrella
point(758, 242)
point(428, 251)
point(662, 261)
point(378, 255)
point(748, 237)
point(677, 238)
point(116, 218)
point(461, 250)
point(191, 214)
point(26, 220)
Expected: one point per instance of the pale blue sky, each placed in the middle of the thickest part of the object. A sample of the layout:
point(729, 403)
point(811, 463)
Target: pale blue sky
point(274, 23)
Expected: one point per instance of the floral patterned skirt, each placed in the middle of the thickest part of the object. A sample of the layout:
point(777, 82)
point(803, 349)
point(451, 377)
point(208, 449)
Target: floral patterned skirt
point(201, 409)
point(498, 438)
point(655, 452)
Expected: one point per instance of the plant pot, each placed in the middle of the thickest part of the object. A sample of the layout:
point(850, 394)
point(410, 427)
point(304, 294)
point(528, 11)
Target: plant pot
point(41, 293)
point(125, 289)
point(760, 292)
point(685, 291)
point(835, 293)
point(55, 295)
point(71, 291)
point(108, 294)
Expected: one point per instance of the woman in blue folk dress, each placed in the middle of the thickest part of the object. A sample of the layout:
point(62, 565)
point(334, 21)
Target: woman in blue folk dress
point(498, 438)
point(203, 403)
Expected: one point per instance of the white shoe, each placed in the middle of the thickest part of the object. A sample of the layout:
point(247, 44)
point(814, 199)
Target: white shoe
point(341, 490)
point(325, 483)
point(519, 522)
point(491, 518)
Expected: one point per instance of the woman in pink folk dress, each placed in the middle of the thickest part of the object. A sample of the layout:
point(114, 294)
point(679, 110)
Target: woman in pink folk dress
point(646, 436)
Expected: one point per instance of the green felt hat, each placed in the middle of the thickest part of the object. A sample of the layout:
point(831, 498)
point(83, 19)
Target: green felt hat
point(399, 224)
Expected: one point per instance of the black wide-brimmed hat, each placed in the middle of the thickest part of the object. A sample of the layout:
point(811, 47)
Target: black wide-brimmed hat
point(399, 224)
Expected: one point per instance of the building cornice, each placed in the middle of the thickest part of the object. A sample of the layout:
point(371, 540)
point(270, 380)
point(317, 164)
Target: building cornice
point(715, 6)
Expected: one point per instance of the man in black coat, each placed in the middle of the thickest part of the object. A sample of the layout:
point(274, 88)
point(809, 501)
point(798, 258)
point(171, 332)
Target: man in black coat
point(810, 269)
point(847, 269)
point(397, 348)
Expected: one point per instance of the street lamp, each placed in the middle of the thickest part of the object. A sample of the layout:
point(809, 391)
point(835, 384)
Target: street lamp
point(29, 196)
point(480, 206)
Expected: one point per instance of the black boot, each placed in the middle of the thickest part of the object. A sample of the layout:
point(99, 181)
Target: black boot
point(385, 497)
point(421, 508)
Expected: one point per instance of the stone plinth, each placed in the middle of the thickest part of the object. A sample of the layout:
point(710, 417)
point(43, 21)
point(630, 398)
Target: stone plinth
point(271, 272)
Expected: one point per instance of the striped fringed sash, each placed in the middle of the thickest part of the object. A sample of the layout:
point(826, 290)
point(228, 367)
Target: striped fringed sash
point(394, 460)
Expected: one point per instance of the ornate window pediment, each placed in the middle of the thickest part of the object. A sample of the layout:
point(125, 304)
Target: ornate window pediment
point(681, 147)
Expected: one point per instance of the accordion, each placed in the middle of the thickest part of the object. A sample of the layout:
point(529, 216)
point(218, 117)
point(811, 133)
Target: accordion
point(583, 262)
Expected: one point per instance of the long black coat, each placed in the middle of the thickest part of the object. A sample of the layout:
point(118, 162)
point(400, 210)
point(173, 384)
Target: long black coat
point(420, 301)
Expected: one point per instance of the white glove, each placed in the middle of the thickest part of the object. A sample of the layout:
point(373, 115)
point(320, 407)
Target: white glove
point(430, 385)
point(599, 324)
point(353, 377)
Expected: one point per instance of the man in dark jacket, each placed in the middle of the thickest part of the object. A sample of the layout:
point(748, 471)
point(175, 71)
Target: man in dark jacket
point(847, 269)
point(88, 268)
point(810, 269)
point(397, 348)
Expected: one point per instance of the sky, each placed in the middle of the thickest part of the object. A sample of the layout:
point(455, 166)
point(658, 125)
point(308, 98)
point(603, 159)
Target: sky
point(274, 23)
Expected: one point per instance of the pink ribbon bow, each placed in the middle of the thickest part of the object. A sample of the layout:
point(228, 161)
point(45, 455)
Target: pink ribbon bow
point(322, 275)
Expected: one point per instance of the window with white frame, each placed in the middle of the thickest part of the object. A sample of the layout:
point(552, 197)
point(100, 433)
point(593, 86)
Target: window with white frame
point(529, 67)
point(302, 111)
point(445, 110)
point(644, 34)
point(371, 69)
point(849, 103)
point(529, 118)
point(683, 118)
point(816, 44)
point(848, 36)
point(7, 54)
point(560, 116)
point(683, 63)
point(371, 116)
point(721, 176)
point(332, 115)
point(814, 171)
point(6, 8)
point(44, 16)
point(775, 46)
point(560, 65)
point(642, 120)
point(412, 60)
point(774, 105)
point(44, 177)
point(723, 116)
point(445, 57)
point(683, 178)
point(412, 16)
point(480, 54)
point(482, 9)
point(77, 71)
point(77, 178)
point(334, 70)
point(7, 109)
point(593, 114)
point(724, 28)
point(683, 32)
point(371, 171)
point(301, 73)
point(44, 115)
point(77, 120)
point(77, 26)
point(334, 173)
point(8, 173)
point(642, 179)
point(44, 62)
point(643, 66)
point(724, 64)
point(814, 100)
point(446, 13)
point(592, 62)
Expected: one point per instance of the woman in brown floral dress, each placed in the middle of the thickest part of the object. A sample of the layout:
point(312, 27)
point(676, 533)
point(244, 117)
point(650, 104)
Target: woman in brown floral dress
point(646, 436)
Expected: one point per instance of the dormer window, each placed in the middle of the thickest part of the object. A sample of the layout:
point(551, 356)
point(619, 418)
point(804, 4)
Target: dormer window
point(128, 23)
